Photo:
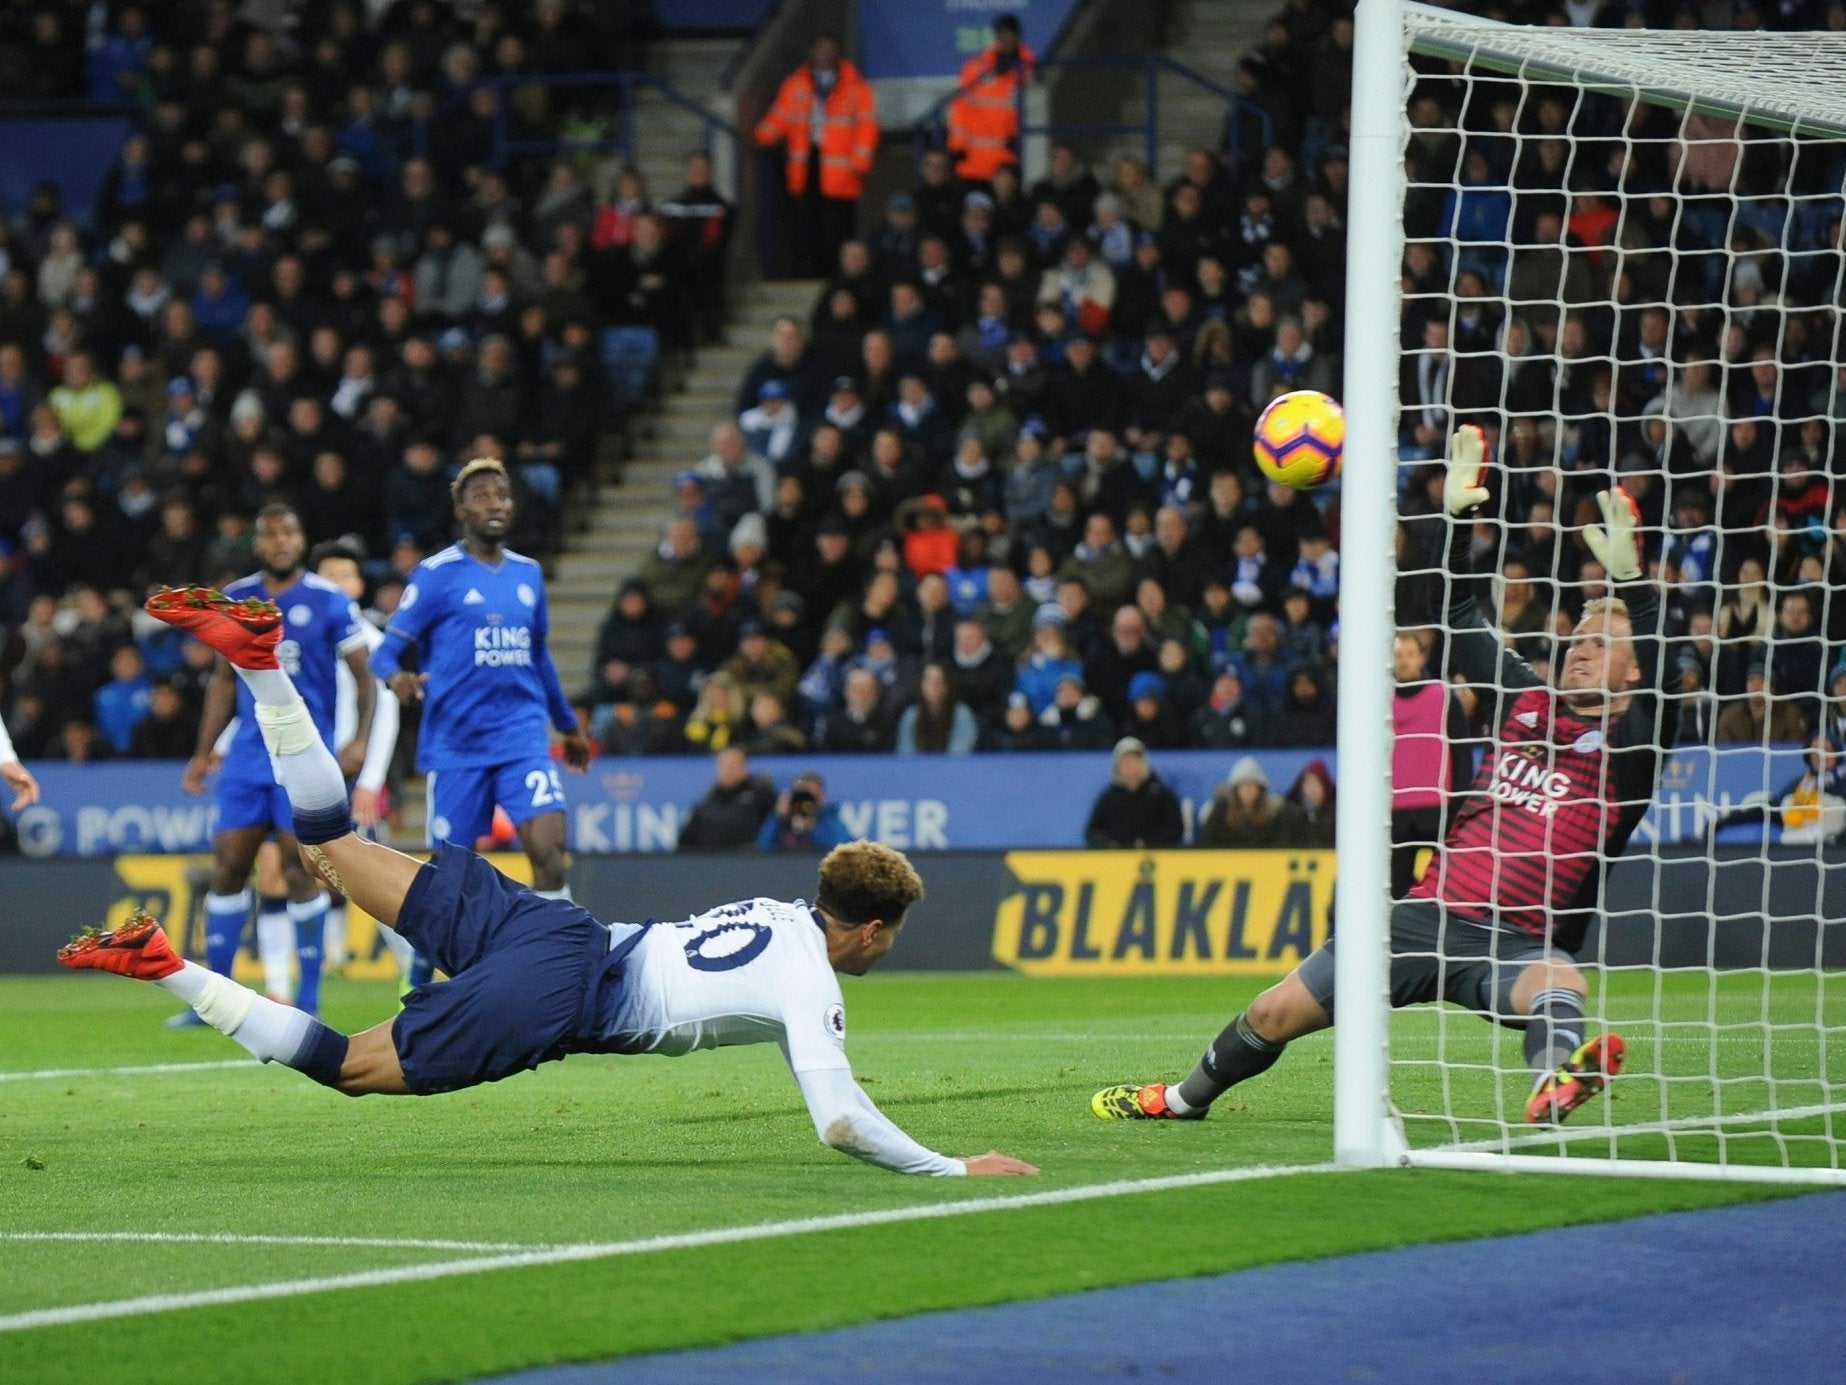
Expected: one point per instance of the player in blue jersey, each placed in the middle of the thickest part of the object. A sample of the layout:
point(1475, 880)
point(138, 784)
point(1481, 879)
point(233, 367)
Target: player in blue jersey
point(475, 612)
point(322, 628)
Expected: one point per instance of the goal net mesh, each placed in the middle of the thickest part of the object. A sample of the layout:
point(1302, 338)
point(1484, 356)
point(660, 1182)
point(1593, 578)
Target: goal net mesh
point(1623, 261)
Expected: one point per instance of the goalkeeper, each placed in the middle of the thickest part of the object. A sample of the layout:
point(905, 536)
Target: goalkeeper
point(1493, 923)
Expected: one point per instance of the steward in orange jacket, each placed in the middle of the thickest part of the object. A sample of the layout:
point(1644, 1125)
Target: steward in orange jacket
point(847, 117)
point(984, 116)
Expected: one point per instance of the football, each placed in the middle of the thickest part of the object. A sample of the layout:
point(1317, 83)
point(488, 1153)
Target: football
point(1300, 438)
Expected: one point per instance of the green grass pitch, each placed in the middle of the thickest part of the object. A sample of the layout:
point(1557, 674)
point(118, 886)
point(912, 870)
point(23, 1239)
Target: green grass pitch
point(604, 1150)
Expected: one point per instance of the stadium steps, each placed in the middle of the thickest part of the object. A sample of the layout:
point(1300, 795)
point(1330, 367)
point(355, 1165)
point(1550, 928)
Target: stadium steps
point(614, 532)
point(615, 524)
point(1211, 38)
point(665, 132)
point(625, 523)
point(1208, 36)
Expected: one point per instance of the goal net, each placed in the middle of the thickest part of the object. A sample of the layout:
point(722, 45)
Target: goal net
point(1619, 253)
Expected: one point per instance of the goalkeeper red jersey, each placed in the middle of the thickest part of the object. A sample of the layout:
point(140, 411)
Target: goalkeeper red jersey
point(1555, 801)
point(1545, 809)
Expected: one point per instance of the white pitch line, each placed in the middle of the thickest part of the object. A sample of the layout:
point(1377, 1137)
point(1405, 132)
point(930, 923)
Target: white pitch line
point(49, 1074)
point(690, 1240)
point(226, 1238)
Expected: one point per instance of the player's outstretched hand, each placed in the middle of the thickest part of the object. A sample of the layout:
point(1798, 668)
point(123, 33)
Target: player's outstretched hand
point(20, 780)
point(994, 1164)
point(351, 758)
point(1462, 490)
point(1616, 542)
point(368, 807)
point(193, 780)
point(408, 686)
point(577, 751)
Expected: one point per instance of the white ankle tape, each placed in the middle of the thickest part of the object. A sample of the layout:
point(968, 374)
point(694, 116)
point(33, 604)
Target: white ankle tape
point(225, 1004)
point(286, 730)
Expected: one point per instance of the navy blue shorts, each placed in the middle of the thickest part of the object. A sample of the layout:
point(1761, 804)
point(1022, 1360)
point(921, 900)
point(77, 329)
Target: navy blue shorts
point(524, 975)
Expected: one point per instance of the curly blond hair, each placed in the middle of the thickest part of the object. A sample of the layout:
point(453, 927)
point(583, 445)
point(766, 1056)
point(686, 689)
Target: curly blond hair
point(861, 881)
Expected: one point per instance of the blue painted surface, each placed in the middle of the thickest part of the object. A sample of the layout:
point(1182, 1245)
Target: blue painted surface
point(695, 16)
point(1738, 1294)
point(73, 151)
point(933, 38)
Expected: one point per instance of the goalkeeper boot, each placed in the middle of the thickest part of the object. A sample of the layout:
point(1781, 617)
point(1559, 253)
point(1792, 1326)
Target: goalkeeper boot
point(138, 949)
point(1131, 1103)
point(1585, 1073)
point(246, 632)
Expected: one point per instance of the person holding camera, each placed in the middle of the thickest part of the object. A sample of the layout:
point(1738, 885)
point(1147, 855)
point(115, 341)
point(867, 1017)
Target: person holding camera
point(803, 819)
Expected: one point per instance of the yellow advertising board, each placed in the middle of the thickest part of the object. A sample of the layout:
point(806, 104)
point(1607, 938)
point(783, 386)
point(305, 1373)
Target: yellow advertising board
point(1163, 913)
point(173, 889)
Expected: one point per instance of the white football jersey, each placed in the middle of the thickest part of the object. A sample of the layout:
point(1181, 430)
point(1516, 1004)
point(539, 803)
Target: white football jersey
point(746, 973)
point(385, 716)
point(346, 694)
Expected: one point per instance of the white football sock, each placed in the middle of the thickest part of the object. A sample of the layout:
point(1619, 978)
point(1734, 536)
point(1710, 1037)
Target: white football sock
point(275, 944)
point(218, 1000)
point(271, 687)
point(270, 1032)
point(302, 764)
point(333, 942)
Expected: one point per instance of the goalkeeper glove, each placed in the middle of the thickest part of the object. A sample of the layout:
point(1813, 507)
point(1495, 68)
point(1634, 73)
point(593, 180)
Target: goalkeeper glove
point(1462, 490)
point(1615, 542)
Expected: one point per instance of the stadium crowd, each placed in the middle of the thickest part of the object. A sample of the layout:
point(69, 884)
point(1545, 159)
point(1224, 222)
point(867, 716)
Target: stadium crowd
point(995, 491)
point(304, 279)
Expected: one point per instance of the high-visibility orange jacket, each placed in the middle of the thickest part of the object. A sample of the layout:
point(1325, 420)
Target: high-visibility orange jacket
point(849, 132)
point(984, 116)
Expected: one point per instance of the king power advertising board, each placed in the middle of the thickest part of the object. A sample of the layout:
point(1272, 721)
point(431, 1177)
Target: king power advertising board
point(915, 803)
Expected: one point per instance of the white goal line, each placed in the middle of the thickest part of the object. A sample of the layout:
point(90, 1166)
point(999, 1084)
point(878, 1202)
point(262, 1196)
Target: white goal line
point(530, 1258)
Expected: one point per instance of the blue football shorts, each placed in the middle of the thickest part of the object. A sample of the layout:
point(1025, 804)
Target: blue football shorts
point(248, 796)
point(461, 801)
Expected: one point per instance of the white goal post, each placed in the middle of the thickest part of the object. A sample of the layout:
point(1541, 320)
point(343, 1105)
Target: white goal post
point(1738, 1070)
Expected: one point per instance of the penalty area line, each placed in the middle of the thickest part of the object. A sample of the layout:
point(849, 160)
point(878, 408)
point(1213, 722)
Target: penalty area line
point(609, 1250)
point(232, 1238)
point(136, 1070)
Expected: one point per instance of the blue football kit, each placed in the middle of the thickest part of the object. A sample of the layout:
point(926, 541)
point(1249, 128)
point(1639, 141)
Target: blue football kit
point(321, 625)
point(491, 694)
